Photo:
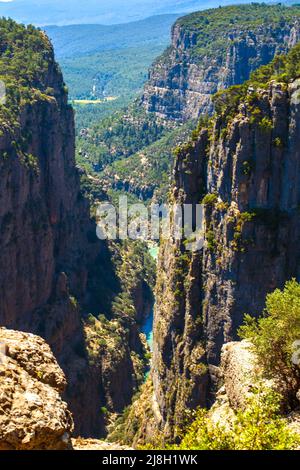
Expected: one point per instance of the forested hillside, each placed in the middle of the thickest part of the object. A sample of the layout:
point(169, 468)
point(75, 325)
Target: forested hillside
point(105, 67)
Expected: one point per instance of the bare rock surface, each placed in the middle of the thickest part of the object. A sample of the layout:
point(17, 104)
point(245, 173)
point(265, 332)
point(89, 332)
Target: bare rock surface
point(33, 415)
point(33, 355)
point(239, 370)
point(240, 373)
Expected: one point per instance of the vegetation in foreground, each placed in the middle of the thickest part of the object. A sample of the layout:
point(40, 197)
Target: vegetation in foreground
point(259, 427)
point(275, 338)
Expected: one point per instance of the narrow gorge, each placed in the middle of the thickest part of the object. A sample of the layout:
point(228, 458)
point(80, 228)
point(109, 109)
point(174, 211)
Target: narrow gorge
point(125, 340)
point(242, 164)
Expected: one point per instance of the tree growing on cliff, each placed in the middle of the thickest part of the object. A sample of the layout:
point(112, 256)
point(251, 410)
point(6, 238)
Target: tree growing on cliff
point(275, 338)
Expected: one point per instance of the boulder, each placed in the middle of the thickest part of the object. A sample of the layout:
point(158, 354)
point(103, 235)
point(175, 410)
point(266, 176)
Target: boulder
point(33, 415)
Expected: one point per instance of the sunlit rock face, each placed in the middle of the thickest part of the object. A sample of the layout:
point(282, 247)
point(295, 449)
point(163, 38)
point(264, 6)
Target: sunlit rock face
point(33, 415)
point(197, 65)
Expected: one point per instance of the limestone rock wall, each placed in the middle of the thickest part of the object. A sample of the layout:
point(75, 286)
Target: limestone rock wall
point(50, 258)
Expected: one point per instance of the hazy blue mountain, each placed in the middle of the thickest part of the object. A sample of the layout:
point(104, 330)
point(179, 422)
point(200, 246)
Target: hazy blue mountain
point(63, 12)
point(75, 40)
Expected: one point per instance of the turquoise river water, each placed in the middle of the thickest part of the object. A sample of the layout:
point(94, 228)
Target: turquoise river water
point(147, 327)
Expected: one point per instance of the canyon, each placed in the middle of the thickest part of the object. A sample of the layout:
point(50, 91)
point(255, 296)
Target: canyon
point(76, 312)
point(132, 151)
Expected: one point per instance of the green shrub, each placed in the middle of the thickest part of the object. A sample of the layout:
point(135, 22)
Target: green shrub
point(210, 199)
point(274, 336)
point(104, 410)
point(247, 168)
point(73, 301)
point(258, 427)
point(210, 240)
point(238, 244)
point(278, 142)
point(266, 124)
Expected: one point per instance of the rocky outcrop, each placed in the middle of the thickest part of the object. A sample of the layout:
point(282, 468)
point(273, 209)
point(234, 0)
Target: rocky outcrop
point(241, 376)
point(215, 49)
point(247, 163)
point(239, 372)
point(32, 413)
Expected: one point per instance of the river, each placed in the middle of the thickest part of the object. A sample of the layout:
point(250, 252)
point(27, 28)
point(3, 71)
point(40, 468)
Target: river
point(147, 327)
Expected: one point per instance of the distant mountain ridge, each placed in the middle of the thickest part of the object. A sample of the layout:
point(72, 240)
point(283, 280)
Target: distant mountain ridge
point(73, 40)
point(46, 12)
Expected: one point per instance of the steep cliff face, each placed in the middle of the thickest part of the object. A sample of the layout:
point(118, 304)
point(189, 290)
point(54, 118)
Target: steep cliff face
point(215, 49)
point(54, 270)
point(179, 369)
point(44, 219)
point(255, 172)
point(247, 163)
